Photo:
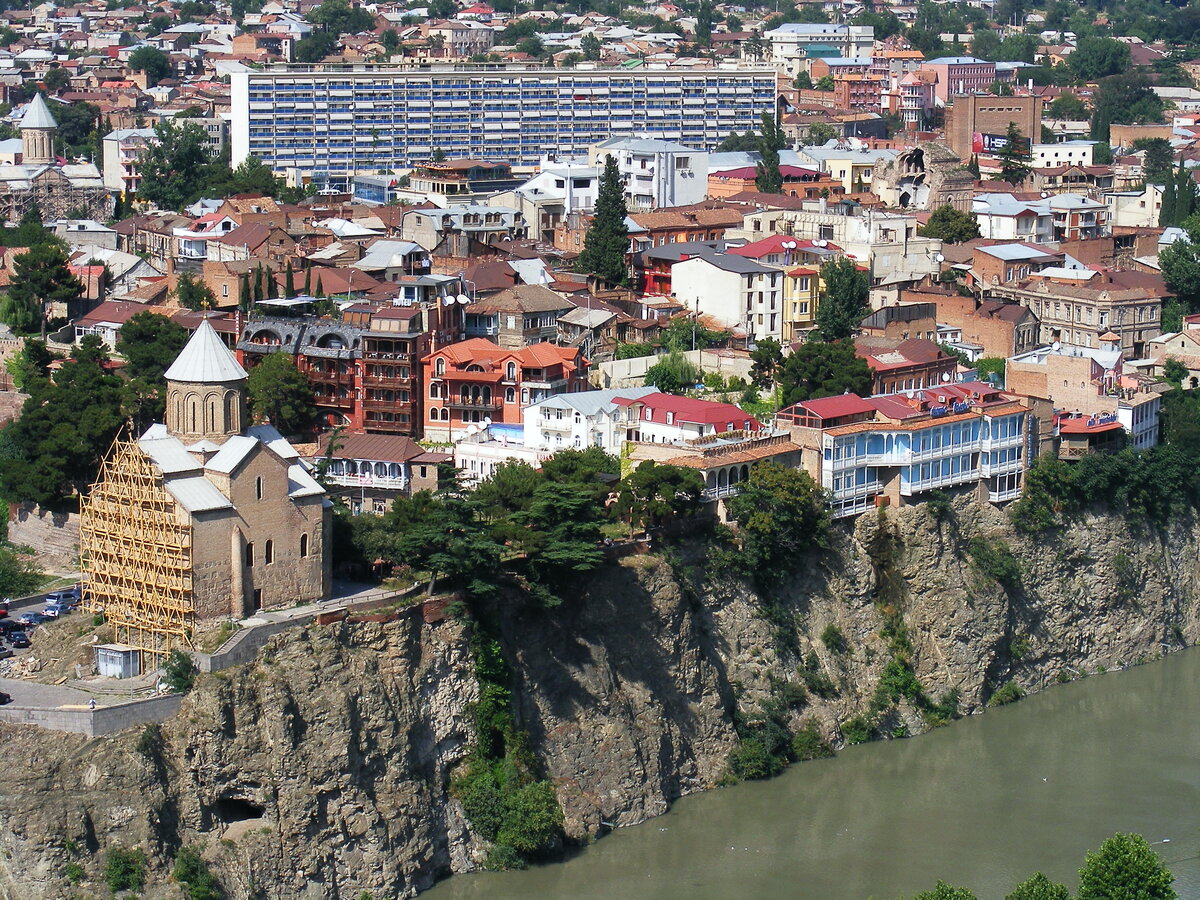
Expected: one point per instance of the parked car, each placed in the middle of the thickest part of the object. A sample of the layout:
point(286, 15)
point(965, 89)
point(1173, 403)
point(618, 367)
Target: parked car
point(54, 610)
point(66, 597)
point(19, 639)
point(31, 619)
point(5, 698)
point(5, 652)
point(4, 608)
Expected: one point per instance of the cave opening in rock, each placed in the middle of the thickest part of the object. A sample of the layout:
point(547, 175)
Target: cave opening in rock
point(235, 809)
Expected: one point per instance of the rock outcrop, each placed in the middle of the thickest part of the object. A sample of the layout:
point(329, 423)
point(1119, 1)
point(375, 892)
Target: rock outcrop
point(323, 770)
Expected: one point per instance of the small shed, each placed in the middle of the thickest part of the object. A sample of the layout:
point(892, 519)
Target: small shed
point(116, 660)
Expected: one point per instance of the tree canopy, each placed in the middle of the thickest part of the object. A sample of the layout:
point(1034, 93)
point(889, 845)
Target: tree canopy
point(673, 373)
point(1125, 868)
point(41, 276)
point(149, 342)
point(192, 293)
point(339, 17)
point(152, 61)
point(950, 225)
point(781, 514)
point(1013, 156)
point(653, 492)
point(1096, 57)
point(607, 238)
point(820, 369)
point(1127, 99)
point(771, 140)
point(1039, 887)
point(844, 305)
point(279, 393)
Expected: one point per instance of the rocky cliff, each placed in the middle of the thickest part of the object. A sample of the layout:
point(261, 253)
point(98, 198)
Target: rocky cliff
point(323, 769)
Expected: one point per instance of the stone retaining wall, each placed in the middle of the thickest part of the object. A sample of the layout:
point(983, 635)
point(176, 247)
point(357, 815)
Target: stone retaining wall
point(54, 536)
point(98, 721)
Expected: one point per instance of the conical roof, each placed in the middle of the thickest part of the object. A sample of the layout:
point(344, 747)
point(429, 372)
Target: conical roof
point(205, 360)
point(37, 114)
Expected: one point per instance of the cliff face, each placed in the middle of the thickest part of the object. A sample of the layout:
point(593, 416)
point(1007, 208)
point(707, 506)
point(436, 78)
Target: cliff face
point(323, 769)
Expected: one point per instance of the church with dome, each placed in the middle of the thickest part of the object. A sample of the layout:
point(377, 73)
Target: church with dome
point(31, 175)
point(201, 517)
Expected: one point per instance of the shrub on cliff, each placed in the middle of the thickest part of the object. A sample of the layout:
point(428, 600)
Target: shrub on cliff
point(125, 870)
point(781, 514)
point(994, 559)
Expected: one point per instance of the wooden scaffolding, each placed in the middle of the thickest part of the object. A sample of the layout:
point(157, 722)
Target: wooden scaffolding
point(136, 556)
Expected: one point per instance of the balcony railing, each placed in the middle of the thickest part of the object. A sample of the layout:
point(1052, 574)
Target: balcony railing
point(459, 403)
point(727, 490)
point(366, 481)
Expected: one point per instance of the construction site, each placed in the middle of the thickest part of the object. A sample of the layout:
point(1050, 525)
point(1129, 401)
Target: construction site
point(137, 557)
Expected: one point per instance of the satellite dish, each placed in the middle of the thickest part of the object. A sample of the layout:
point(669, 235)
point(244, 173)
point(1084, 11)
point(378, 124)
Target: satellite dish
point(447, 301)
point(820, 243)
point(487, 420)
point(945, 376)
point(939, 257)
point(463, 299)
point(472, 429)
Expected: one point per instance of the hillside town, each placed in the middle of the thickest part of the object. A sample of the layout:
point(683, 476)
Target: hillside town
point(319, 314)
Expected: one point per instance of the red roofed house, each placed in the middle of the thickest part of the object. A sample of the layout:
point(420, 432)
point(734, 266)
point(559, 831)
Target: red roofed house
point(476, 381)
point(905, 365)
point(798, 181)
point(668, 419)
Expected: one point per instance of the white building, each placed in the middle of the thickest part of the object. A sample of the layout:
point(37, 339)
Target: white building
point(1066, 153)
point(557, 191)
point(1134, 209)
point(790, 42)
point(656, 173)
point(739, 292)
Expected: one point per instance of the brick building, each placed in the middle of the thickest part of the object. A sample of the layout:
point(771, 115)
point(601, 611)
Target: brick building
point(987, 114)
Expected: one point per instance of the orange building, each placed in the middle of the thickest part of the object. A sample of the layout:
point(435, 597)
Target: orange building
point(477, 382)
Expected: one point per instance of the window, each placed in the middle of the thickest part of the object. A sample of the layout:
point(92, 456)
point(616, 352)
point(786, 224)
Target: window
point(303, 546)
point(258, 488)
point(250, 554)
point(439, 366)
point(224, 290)
point(269, 552)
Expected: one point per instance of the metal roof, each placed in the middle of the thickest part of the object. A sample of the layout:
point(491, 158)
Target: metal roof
point(37, 114)
point(197, 494)
point(205, 360)
point(231, 455)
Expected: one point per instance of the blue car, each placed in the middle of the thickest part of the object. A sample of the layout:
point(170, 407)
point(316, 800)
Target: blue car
point(31, 619)
point(54, 610)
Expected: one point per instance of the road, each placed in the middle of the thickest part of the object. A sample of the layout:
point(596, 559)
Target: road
point(50, 696)
point(29, 604)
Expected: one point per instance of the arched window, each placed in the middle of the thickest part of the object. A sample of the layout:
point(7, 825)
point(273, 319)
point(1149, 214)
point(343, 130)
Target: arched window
point(230, 410)
point(439, 366)
point(193, 412)
point(510, 395)
point(303, 546)
point(269, 552)
point(258, 488)
point(512, 371)
point(250, 554)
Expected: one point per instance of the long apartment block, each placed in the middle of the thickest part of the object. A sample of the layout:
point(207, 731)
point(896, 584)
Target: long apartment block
point(359, 119)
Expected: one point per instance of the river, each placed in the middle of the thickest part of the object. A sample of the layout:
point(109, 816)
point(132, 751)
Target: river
point(982, 803)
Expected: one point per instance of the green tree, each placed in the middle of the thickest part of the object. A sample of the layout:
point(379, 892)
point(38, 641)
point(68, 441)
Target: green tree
point(1159, 163)
point(149, 342)
point(179, 672)
point(1069, 107)
point(66, 426)
point(739, 143)
point(1127, 99)
point(803, 82)
point(818, 369)
point(1125, 868)
point(819, 134)
point(192, 293)
point(1013, 157)
point(339, 17)
point(944, 891)
point(824, 83)
point(193, 873)
point(1039, 887)
point(289, 282)
point(781, 514)
point(589, 44)
point(673, 373)
point(176, 166)
point(950, 225)
point(30, 366)
point(41, 277)
point(152, 61)
point(279, 393)
point(633, 350)
point(685, 333)
point(704, 23)
point(652, 492)
point(125, 869)
point(1102, 154)
point(56, 80)
point(607, 240)
point(765, 359)
point(591, 468)
point(844, 305)
point(445, 536)
point(1096, 57)
point(1180, 264)
point(315, 47)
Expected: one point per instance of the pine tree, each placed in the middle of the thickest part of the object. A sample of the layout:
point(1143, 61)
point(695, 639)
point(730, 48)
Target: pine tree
point(260, 284)
point(308, 281)
point(320, 291)
point(704, 20)
point(607, 239)
point(1185, 196)
point(973, 166)
point(1013, 165)
point(289, 285)
point(768, 178)
point(244, 292)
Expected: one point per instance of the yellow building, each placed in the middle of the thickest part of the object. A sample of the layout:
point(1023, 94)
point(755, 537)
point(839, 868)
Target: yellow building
point(802, 292)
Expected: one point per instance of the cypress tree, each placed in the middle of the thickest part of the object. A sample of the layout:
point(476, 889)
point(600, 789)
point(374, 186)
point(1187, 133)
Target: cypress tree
point(1185, 196)
point(308, 281)
point(244, 292)
point(771, 140)
point(607, 239)
point(260, 284)
point(1166, 215)
point(289, 286)
point(320, 292)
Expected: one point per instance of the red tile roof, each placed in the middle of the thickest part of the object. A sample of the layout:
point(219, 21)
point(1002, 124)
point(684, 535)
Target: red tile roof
point(690, 411)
